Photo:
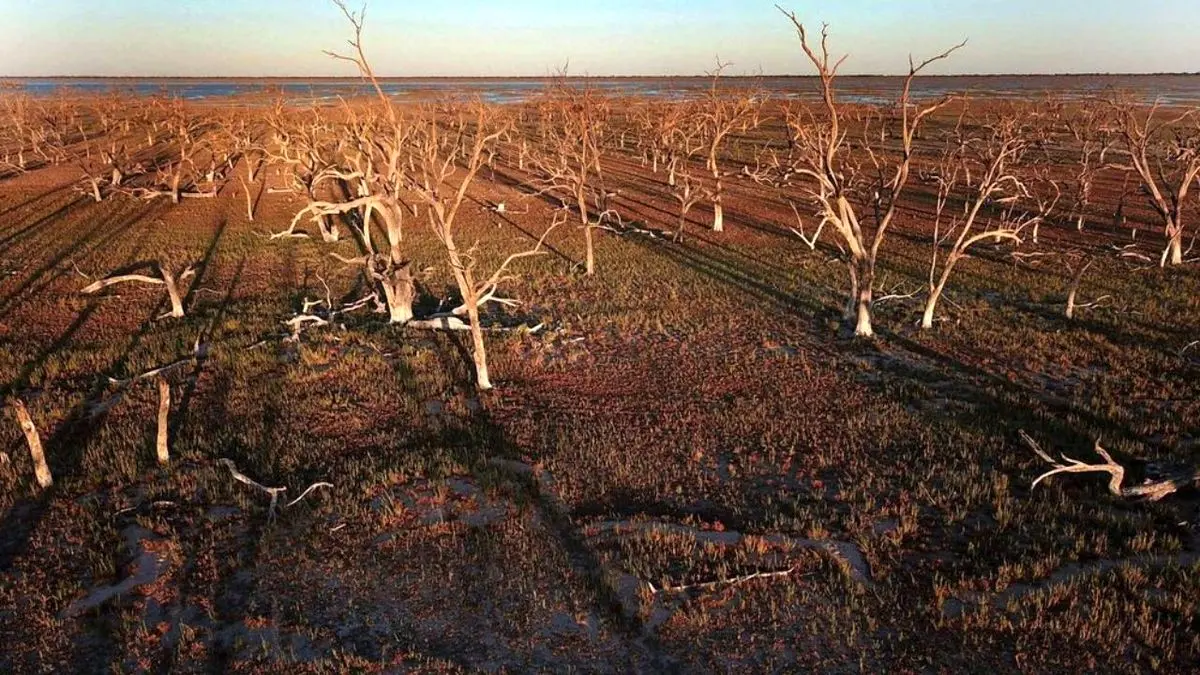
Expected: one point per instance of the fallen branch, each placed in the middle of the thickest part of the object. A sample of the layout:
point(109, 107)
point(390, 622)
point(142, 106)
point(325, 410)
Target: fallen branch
point(273, 492)
point(1151, 490)
point(40, 467)
point(299, 322)
point(445, 322)
point(199, 352)
point(165, 278)
point(845, 553)
point(164, 411)
point(710, 585)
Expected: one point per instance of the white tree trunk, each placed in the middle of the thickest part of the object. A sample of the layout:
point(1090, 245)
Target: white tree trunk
point(399, 290)
point(863, 327)
point(173, 293)
point(935, 292)
point(718, 216)
point(483, 380)
point(329, 229)
point(590, 261)
point(1174, 253)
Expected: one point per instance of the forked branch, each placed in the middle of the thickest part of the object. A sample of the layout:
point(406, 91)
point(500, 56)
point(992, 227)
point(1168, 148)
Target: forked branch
point(1151, 490)
point(166, 277)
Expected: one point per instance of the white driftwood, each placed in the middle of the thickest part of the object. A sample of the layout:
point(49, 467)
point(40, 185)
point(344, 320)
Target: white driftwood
point(718, 583)
point(164, 411)
point(165, 278)
point(447, 322)
point(40, 467)
point(1150, 490)
point(272, 491)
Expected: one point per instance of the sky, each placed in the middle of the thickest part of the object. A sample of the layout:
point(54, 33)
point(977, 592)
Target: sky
point(596, 37)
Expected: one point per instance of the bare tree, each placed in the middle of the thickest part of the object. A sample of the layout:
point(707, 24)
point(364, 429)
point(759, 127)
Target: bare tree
point(983, 166)
point(1077, 264)
point(687, 194)
point(1164, 152)
point(444, 200)
point(1093, 142)
point(860, 214)
point(569, 163)
point(721, 114)
point(445, 162)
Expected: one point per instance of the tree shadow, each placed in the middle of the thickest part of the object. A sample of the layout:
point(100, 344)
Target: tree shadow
point(65, 449)
point(42, 278)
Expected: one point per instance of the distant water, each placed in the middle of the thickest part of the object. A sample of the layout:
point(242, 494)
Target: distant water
point(1170, 89)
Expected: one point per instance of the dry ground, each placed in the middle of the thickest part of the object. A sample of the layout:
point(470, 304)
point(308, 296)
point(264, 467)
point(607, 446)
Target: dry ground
point(691, 414)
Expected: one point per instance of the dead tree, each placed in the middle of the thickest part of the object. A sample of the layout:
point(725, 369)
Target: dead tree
point(379, 160)
point(310, 153)
point(445, 163)
point(657, 124)
point(1153, 489)
point(1092, 145)
point(33, 440)
point(722, 114)
point(687, 195)
point(444, 200)
point(834, 179)
point(178, 175)
point(1165, 155)
point(1077, 264)
point(983, 166)
point(165, 277)
point(569, 163)
point(394, 278)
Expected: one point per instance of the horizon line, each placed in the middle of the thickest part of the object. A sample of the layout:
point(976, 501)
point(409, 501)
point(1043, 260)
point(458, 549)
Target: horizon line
point(593, 77)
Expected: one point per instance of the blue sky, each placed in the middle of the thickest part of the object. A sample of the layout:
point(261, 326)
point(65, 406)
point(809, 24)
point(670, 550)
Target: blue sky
point(599, 37)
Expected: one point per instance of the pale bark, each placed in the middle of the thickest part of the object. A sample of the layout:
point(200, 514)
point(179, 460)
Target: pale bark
point(249, 202)
point(40, 467)
point(399, 289)
point(823, 150)
point(166, 278)
point(1073, 292)
point(1174, 250)
point(173, 293)
point(164, 411)
point(590, 253)
point(1150, 490)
